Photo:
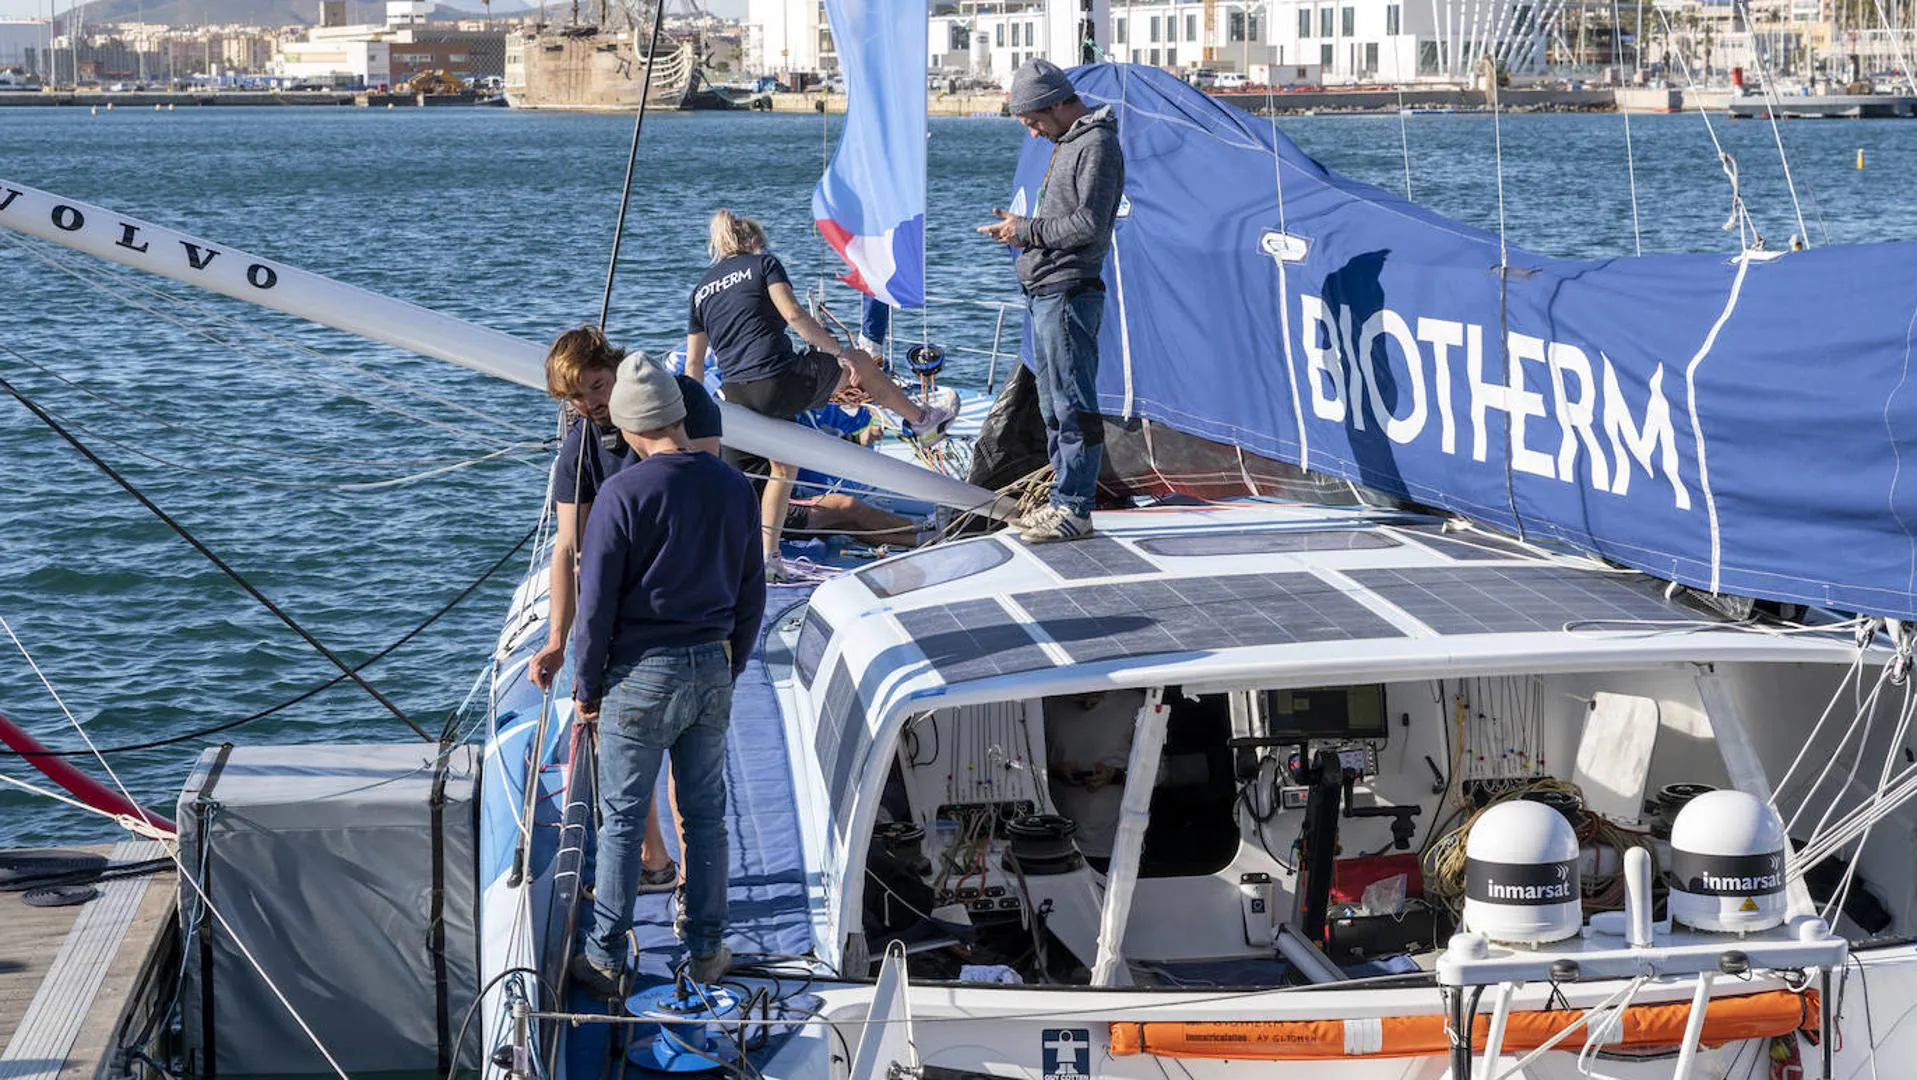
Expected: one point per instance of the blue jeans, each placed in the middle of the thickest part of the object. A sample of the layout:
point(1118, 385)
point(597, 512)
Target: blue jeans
point(677, 699)
point(1065, 348)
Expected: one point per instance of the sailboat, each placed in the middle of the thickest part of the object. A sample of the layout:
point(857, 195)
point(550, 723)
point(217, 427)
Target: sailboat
point(1501, 710)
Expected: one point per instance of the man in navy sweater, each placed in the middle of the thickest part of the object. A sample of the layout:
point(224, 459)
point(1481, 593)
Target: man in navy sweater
point(671, 591)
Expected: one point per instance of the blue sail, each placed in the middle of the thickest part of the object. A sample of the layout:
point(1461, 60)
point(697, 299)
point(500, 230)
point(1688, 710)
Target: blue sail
point(1735, 424)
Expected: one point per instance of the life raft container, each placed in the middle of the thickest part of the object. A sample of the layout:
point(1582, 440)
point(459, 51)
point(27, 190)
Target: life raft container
point(1727, 1019)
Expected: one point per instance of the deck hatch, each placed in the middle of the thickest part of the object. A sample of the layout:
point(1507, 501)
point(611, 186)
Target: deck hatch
point(1513, 599)
point(1100, 556)
point(1104, 622)
point(933, 566)
point(973, 639)
point(1267, 542)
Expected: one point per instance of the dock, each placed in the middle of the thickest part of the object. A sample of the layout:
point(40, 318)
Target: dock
point(77, 982)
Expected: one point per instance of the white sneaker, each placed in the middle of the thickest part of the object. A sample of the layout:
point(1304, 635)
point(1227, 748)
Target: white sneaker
point(938, 415)
point(1058, 524)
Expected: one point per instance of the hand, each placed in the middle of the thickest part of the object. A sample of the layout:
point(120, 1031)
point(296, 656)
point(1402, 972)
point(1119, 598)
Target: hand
point(1004, 230)
point(1099, 777)
point(545, 663)
point(588, 710)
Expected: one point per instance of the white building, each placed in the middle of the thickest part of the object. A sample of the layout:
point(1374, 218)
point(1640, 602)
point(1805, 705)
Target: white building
point(1338, 41)
point(346, 62)
point(784, 36)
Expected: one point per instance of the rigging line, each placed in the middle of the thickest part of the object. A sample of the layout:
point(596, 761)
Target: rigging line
point(1284, 291)
point(344, 389)
point(253, 448)
point(194, 736)
point(172, 853)
point(1504, 291)
point(126, 821)
point(1691, 79)
point(632, 160)
point(97, 278)
point(1777, 133)
point(322, 485)
point(212, 557)
point(1404, 123)
point(1897, 46)
point(1630, 159)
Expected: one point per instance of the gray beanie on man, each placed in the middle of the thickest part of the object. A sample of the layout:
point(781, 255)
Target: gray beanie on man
point(645, 397)
point(1038, 84)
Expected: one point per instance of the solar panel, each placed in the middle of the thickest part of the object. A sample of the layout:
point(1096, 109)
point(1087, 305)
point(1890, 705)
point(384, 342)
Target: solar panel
point(974, 639)
point(1103, 622)
point(841, 740)
point(1099, 556)
point(1514, 599)
point(811, 648)
point(1469, 547)
point(1268, 542)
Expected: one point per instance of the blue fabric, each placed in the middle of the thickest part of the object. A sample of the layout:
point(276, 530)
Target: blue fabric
point(1629, 407)
point(766, 880)
point(875, 320)
point(1065, 348)
point(870, 205)
point(671, 558)
point(678, 700)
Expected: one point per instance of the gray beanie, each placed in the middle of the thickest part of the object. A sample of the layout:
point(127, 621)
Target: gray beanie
point(645, 397)
point(1038, 84)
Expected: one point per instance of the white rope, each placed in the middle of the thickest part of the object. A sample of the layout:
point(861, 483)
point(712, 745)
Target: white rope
point(1630, 159)
point(1284, 289)
point(172, 851)
point(1897, 45)
point(1863, 718)
point(126, 821)
point(1777, 133)
point(1855, 671)
point(1697, 426)
point(1709, 127)
point(1404, 122)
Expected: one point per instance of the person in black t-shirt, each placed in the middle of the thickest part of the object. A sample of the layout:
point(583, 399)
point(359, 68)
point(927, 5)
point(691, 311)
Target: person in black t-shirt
point(581, 368)
point(742, 309)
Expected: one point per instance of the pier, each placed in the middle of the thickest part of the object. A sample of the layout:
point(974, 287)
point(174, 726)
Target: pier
point(77, 983)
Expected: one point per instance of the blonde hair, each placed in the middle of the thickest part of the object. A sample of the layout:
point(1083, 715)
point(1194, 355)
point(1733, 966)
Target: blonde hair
point(573, 354)
point(727, 235)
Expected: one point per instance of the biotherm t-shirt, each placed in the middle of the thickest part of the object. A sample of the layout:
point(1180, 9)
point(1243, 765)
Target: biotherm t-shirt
point(733, 307)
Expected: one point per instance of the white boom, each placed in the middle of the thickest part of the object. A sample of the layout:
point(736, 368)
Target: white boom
point(316, 298)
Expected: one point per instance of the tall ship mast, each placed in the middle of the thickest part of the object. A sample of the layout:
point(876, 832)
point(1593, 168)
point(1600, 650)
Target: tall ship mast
point(598, 60)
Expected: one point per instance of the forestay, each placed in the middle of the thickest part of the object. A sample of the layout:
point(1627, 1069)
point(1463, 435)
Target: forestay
point(1736, 423)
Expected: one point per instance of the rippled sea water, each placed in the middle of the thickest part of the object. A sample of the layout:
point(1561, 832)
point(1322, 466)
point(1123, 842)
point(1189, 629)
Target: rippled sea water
point(249, 427)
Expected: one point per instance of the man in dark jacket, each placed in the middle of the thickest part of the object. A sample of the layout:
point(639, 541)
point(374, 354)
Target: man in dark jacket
point(1062, 254)
point(671, 591)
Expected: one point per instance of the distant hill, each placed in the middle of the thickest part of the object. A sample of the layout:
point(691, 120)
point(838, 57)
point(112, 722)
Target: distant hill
point(267, 12)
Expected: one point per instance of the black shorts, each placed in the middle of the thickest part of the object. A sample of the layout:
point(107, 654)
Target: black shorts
point(808, 384)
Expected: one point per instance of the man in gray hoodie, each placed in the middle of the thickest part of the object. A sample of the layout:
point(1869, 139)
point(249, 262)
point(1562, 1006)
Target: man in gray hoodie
point(1062, 254)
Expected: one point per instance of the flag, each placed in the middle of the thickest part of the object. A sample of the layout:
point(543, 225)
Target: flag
point(870, 205)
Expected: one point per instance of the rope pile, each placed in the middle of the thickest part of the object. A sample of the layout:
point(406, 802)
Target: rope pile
point(1444, 859)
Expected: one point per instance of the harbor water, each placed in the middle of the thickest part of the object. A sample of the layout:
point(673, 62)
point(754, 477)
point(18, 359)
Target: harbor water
point(279, 445)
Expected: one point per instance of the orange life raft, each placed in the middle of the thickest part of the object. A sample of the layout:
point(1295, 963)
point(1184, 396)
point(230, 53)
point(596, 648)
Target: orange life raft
point(1727, 1019)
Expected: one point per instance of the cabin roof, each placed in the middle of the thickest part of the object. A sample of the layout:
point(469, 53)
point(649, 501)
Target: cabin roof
point(1260, 582)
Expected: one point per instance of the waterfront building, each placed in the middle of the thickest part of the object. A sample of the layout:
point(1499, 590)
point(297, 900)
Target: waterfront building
point(22, 44)
point(389, 53)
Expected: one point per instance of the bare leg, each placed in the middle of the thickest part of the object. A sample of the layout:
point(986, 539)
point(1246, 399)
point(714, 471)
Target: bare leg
point(772, 506)
point(867, 376)
point(838, 512)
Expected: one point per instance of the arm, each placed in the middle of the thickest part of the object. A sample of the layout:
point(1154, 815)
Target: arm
point(1100, 180)
point(696, 356)
point(571, 521)
point(601, 566)
point(801, 322)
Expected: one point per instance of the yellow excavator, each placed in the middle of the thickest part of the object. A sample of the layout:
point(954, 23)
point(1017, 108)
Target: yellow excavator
point(432, 82)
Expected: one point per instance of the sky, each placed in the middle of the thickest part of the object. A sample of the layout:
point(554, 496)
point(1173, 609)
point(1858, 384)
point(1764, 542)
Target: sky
point(35, 9)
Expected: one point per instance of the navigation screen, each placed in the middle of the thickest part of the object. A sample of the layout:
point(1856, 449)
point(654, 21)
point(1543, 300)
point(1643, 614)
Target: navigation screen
point(1333, 712)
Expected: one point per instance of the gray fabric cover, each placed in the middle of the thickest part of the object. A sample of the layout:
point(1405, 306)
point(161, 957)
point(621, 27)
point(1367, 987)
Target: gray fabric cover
point(320, 860)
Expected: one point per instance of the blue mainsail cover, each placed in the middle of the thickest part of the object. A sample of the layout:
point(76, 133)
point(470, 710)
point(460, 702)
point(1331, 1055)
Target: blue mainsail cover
point(1734, 424)
point(870, 205)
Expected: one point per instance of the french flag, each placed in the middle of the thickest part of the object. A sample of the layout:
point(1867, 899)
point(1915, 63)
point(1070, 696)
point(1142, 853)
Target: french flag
point(870, 205)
